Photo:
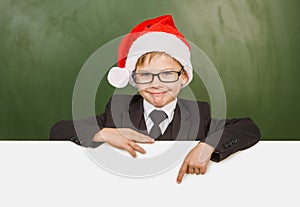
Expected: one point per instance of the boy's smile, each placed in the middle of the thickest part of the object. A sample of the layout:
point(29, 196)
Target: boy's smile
point(160, 93)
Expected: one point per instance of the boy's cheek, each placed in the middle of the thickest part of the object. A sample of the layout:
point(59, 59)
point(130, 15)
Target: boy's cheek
point(142, 87)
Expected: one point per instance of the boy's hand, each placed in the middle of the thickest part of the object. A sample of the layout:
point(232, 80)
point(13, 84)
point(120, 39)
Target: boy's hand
point(123, 138)
point(196, 161)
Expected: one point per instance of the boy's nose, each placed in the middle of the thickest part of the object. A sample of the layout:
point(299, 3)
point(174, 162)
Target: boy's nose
point(156, 82)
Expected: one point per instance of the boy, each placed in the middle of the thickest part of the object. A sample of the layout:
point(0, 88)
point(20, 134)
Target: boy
point(155, 58)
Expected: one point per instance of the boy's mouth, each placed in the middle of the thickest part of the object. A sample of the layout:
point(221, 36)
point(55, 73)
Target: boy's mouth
point(158, 93)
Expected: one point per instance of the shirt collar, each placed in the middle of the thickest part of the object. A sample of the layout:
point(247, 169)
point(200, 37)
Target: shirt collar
point(168, 109)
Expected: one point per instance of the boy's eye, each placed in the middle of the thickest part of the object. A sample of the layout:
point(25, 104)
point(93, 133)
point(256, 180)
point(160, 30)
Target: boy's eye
point(166, 73)
point(145, 74)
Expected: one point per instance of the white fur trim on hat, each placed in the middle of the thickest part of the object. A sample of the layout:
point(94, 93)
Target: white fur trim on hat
point(118, 77)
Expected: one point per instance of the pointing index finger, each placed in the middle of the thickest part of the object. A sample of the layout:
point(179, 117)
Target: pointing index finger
point(182, 172)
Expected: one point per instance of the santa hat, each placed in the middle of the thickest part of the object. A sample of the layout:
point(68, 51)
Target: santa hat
point(155, 35)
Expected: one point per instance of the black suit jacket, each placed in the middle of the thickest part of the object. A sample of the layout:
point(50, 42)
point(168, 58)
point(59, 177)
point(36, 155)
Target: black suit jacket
point(191, 121)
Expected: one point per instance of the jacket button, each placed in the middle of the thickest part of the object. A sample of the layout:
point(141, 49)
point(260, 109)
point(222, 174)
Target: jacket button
point(225, 145)
point(234, 141)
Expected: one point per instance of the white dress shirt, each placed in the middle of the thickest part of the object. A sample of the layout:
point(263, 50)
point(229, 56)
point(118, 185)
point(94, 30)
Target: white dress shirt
point(168, 109)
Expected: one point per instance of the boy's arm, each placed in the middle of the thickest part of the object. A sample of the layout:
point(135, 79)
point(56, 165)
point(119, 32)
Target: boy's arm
point(85, 129)
point(230, 135)
point(83, 135)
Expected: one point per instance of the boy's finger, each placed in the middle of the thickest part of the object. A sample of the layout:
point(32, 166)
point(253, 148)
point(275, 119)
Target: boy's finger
point(131, 134)
point(130, 150)
point(137, 147)
point(145, 140)
point(181, 172)
point(197, 171)
point(138, 137)
point(203, 170)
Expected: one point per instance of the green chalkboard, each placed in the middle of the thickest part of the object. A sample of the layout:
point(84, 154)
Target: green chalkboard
point(254, 45)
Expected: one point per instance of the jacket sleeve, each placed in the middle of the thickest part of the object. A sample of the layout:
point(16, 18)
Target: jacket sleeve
point(80, 131)
point(228, 136)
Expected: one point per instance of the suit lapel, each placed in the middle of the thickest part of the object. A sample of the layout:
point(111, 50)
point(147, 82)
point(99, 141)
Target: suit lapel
point(135, 118)
point(181, 121)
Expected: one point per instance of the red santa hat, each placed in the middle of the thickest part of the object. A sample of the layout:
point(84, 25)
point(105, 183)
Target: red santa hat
point(154, 35)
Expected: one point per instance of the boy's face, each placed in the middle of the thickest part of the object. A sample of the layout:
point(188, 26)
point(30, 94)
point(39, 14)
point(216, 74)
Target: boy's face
point(159, 93)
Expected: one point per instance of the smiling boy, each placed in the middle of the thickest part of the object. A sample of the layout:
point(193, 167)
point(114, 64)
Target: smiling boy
point(155, 58)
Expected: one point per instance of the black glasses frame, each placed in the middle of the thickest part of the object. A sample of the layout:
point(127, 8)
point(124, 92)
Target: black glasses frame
point(157, 74)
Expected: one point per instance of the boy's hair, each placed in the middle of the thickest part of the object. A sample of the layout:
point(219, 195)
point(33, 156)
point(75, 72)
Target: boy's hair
point(147, 57)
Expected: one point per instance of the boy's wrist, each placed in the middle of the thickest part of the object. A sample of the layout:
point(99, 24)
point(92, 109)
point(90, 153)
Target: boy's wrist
point(207, 147)
point(98, 137)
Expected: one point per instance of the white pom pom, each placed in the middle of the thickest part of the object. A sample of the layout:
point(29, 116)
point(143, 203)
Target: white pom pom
point(118, 77)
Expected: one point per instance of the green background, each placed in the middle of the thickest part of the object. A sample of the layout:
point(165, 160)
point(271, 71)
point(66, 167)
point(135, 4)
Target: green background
point(254, 45)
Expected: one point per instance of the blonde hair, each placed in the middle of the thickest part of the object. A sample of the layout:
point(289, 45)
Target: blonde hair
point(147, 57)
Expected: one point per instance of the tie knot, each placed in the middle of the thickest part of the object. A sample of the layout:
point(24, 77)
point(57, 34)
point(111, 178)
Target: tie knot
point(157, 116)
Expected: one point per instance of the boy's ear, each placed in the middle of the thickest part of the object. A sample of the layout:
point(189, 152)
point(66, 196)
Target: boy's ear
point(185, 78)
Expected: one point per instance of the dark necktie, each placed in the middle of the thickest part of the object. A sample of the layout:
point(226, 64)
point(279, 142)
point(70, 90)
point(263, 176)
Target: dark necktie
point(157, 117)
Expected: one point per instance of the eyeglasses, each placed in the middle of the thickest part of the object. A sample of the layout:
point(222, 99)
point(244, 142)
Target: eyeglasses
point(165, 76)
